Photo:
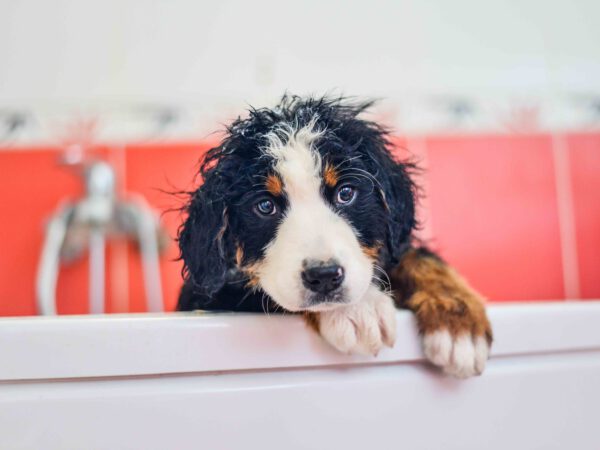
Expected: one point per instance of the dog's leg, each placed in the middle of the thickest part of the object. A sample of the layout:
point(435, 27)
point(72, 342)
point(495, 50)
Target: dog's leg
point(450, 315)
point(362, 328)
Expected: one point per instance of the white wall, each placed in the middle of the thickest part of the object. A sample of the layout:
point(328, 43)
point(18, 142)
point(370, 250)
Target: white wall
point(219, 54)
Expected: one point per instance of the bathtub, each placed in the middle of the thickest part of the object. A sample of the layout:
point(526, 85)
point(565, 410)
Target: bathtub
point(240, 381)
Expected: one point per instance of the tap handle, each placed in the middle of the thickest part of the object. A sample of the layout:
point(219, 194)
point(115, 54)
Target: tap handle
point(74, 156)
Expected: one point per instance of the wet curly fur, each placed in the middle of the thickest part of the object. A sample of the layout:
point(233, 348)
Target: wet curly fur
point(304, 208)
point(217, 222)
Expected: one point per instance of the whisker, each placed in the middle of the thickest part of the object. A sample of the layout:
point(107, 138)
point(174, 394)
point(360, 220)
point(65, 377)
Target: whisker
point(244, 298)
point(347, 161)
point(384, 273)
point(264, 304)
point(381, 269)
point(359, 176)
point(359, 172)
point(367, 174)
point(384, 287)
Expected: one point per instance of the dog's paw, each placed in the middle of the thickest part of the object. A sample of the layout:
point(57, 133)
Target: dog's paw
point(363, 328)
point(460, 355)
point(456, 333)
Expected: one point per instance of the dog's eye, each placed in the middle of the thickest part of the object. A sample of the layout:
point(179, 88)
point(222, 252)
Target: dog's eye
point(345, 194)
point(265, 207)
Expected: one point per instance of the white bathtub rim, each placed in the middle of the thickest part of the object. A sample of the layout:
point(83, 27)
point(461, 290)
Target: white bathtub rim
point(35, 348)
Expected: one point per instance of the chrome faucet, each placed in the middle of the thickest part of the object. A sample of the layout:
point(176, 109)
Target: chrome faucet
point(87, 223)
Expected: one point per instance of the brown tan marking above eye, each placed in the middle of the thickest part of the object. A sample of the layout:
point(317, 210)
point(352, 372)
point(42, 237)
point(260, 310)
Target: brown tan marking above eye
point(330, 175)
point(274, 185)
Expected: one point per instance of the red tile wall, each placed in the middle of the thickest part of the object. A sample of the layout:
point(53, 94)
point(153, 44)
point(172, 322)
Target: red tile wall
point(490, 208)
point(158, 173)
point(494, 213)
point(585, 178)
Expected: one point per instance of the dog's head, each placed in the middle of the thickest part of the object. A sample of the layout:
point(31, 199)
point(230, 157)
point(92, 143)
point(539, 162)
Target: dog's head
point(303, 201)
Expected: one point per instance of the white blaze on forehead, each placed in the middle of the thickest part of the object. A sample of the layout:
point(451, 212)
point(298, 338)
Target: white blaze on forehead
point(297, 162)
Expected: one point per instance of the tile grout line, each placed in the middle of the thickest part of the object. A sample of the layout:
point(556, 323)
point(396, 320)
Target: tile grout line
point(566, 216)
point(120, 262)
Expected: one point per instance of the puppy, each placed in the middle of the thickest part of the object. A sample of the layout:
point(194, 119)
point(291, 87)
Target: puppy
point(304, 208)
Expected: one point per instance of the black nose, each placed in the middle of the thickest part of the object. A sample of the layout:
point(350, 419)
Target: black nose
point(323, 278)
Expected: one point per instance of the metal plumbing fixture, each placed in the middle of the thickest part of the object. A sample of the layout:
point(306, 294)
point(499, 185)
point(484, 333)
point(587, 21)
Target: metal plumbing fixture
point(87, 223)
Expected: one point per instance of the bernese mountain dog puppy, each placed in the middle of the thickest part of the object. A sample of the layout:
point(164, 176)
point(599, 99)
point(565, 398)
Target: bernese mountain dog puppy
point(304, 208)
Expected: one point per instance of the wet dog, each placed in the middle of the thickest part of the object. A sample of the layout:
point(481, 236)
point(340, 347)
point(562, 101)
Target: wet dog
point(304, 208)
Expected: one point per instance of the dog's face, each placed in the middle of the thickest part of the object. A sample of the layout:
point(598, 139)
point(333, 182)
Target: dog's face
point(314, 258)
point(302, 202)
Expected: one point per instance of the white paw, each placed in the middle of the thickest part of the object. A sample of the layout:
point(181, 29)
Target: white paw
point(362, 328)
point(461, 356)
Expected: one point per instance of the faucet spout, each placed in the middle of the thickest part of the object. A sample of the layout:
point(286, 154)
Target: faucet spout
point(95, 217)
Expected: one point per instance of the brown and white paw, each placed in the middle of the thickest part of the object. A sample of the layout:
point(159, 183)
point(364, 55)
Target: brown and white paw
point(461, 355)
point(363, 328)
point(456, 331)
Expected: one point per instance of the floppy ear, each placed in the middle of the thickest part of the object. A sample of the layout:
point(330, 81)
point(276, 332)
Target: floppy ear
point(398, 194)
point(205, 241)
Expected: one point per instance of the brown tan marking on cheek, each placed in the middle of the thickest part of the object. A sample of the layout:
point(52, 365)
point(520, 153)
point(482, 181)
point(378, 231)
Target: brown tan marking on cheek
point(330, 175)
point(372, 252)
point(439, 297)
point(274, 185)
point(239, 255)
point(252, 282)
point(251, 271)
